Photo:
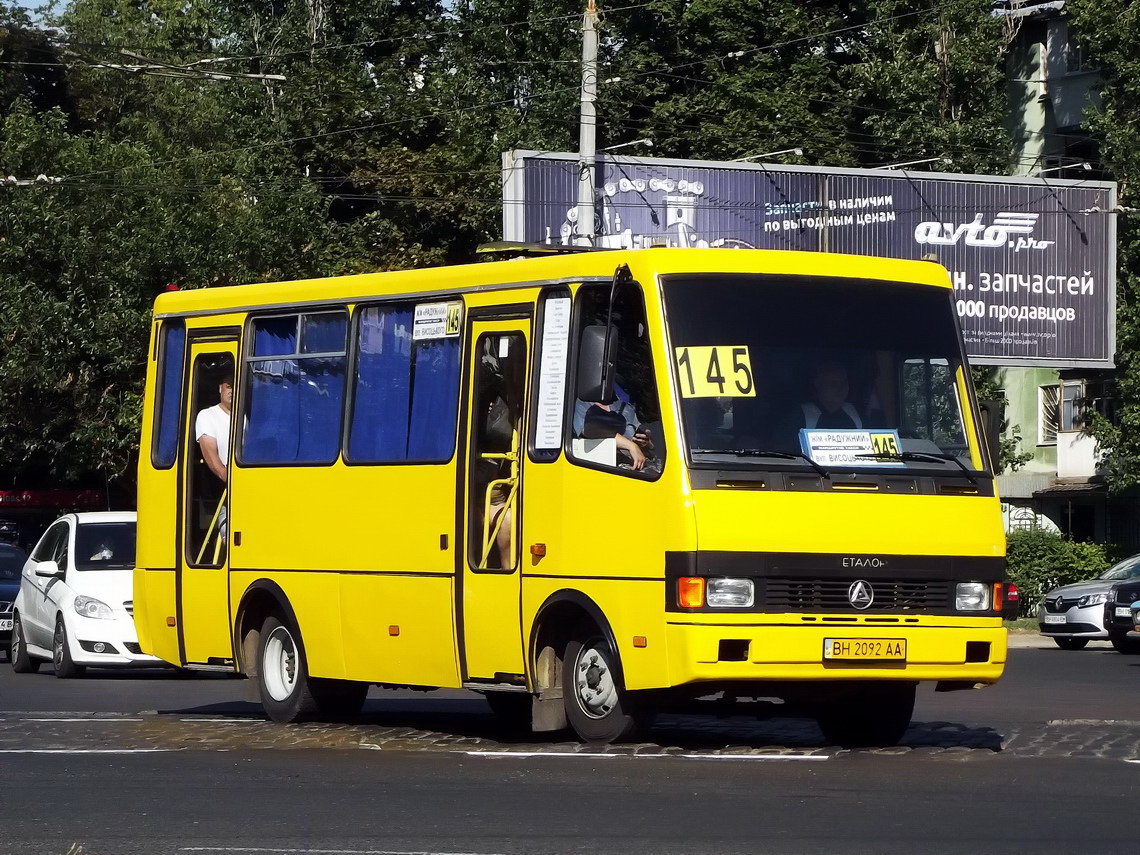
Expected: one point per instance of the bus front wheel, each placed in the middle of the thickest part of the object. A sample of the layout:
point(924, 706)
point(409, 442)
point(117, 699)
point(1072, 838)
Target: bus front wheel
point(283, 674)
point(874, 715)
point(597, 706)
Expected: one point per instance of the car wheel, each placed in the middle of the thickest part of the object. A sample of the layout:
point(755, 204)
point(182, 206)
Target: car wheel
point(1071, 643)
point(1125, 645)
point(22, 662)
point(877, 715)
point(598, 707)
point(65, 667)
point(283, 674)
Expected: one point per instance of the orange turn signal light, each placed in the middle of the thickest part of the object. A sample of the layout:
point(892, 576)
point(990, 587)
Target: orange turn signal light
point(998, 601)
point(393, 630)
point(640, 641)
point(170, 621)
point(691, 592)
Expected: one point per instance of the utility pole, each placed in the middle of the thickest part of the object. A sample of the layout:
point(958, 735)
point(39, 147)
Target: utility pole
point(587, 126)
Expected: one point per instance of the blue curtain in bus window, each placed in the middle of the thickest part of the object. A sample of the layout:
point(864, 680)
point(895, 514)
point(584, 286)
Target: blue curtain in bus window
point(320, 396)
point(435, 400)
point(170, 386)
point(294, 411)
point(378, 432)
point(275, 336)
point(271, 434)
point(323, 333)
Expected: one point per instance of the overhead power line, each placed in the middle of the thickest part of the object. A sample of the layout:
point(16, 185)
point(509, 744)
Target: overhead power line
point(512, 100)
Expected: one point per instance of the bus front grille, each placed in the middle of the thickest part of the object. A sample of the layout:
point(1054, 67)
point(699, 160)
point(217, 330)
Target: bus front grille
point(831, 595)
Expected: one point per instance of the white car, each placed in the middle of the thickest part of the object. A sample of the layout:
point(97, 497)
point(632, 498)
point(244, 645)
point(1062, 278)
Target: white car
point(74, 607)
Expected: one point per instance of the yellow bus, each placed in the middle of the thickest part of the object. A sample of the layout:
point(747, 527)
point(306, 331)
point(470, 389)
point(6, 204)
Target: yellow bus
point(580, 484)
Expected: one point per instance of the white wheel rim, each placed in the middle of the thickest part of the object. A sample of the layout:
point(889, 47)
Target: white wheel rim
point(594, 682)
point(57, 658)
point(15, 640)
point(279, 664)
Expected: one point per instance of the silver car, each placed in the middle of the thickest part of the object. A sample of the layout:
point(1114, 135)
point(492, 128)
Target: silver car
point(1073, 615)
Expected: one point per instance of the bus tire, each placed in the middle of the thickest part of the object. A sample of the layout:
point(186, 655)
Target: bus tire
point(597, 705)
point(22, 661)
point(338, 698)
point(283, 673)
point(877, 715)
point(65, 667)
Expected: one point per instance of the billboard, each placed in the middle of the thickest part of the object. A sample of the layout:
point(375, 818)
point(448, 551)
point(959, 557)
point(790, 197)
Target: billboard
point(1033, 260)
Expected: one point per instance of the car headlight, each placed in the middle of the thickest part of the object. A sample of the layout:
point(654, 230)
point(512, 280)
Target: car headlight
point(1092, 600)
point(92, 608)
point(972, 597)
point(724, 592)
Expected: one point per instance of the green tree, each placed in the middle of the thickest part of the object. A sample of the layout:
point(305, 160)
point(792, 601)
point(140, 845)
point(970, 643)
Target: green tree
point(1110, 32)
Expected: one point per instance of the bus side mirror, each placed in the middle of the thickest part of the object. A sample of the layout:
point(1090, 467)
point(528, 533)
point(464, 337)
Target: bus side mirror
point(991, 431)
point(595, 376)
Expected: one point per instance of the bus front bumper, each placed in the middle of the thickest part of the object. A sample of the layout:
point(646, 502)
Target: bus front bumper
point(744, 652)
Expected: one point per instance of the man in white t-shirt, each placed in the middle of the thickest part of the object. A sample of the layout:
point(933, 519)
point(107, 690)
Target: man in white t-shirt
point(212, 430)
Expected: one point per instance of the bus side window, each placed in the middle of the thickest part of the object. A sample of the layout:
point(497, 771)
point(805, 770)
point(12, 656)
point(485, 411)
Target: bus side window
point(625, 432)
point(168, 394)
point(295, 389)
point(405, 402)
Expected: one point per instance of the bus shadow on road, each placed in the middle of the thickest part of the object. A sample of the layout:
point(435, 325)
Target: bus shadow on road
point(469, 721)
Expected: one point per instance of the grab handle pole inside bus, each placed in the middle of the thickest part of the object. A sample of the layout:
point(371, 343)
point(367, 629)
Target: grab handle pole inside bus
point(210, 532)
point(491, 531)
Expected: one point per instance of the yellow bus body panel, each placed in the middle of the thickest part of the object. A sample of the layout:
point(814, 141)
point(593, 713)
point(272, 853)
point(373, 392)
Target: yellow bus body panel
point(367, 554)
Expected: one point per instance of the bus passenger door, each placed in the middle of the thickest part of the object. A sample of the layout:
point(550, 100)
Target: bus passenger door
point(490, 624)
point(203, 529)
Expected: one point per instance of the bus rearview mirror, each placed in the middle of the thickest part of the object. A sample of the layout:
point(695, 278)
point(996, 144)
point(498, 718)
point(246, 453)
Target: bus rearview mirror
point(991, 431)
point(595, 375)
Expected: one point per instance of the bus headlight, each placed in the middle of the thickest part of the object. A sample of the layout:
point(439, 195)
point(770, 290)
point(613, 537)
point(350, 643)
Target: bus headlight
point(972, 597)
point(725, 592)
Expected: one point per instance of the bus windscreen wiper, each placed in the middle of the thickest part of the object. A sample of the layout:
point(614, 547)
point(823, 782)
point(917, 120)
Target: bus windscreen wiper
point(927, 457)
point(757, 452)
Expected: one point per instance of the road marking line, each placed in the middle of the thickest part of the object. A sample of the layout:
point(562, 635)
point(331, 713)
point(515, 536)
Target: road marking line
point(86, 750)
point(599, 755)
point(1132, 761)
point(227, 720)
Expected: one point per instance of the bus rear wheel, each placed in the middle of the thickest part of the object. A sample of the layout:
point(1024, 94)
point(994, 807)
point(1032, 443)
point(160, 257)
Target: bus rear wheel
point(875, 715)
point(597, 705)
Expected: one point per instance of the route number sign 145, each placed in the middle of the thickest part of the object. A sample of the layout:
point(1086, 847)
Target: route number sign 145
point(719, 371)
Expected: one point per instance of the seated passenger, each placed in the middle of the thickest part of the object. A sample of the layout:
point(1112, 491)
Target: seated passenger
point(829, 408)
point(615, 419)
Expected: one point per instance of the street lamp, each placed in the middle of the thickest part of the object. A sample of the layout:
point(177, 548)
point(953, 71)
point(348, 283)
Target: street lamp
point(796, 151)
point(916, 162)
point(648, 143)
point(1084, 164)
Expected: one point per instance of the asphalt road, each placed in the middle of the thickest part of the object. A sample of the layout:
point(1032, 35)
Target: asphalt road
point(162, 764)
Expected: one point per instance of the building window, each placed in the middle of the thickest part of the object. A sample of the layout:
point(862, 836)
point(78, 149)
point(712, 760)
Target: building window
point(1065, 407)
point(1049, 414)
point(295, 389)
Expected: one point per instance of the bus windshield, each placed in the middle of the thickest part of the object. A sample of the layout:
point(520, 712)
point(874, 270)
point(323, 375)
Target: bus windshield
point(853, 374)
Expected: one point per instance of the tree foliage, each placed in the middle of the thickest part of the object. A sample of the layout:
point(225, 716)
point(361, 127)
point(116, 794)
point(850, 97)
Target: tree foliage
point(381, 148)
point(1040, 560)
point(1110, 31)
